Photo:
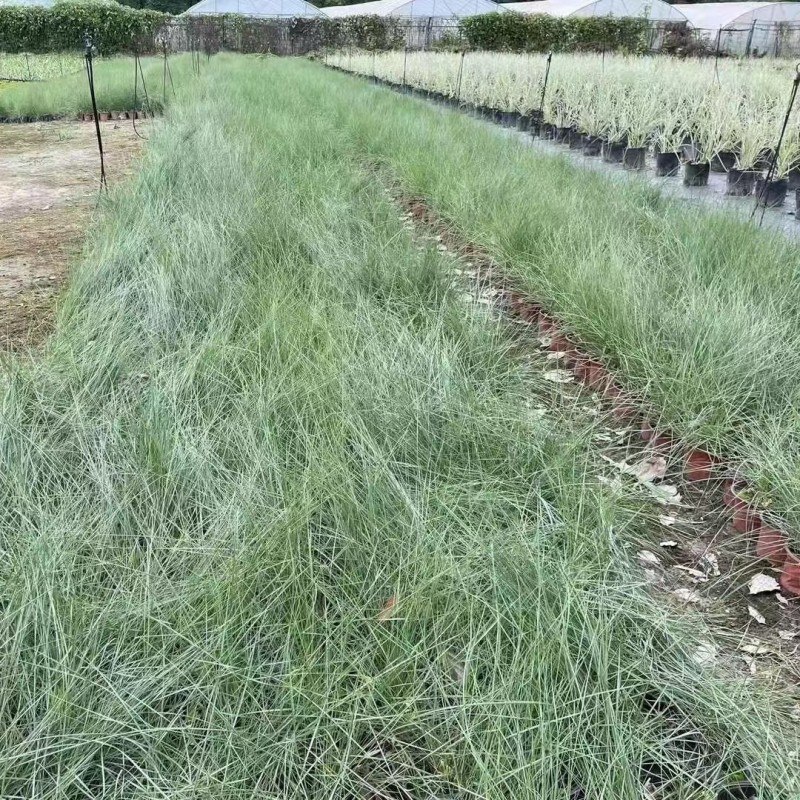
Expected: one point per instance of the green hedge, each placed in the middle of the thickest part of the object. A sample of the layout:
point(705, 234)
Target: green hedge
point(114, 28)
point(537, 32)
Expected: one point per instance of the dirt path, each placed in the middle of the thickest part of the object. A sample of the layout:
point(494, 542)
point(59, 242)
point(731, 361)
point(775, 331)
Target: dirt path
point(49, 175)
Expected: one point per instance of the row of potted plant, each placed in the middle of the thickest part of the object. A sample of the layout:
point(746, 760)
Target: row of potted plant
point(695, 115)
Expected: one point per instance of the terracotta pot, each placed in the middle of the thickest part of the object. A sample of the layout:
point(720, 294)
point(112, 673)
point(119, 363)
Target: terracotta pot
point(547, 325)
point(592, 373)
point(530, 313)
point(772, 545)
point(745, 519)
point(559, 343)
point(104, 116)
point(699, 465)
point(790, 576)
point(649, 434)
point(730, 489)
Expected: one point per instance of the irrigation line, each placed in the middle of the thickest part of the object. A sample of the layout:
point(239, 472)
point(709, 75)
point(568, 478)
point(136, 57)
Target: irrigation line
point(137, 70)
point(90, 78)
point(761, 196)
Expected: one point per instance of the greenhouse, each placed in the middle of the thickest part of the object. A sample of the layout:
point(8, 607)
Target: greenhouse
point(748, 28)
point(443, 9)
point(254, 8)
point(649, 9)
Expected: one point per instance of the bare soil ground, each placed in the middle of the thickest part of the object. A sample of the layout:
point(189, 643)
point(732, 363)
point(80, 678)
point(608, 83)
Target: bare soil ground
point(49, 181)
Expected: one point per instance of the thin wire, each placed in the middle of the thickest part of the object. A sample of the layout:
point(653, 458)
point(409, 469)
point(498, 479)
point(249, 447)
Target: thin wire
point(136, 96)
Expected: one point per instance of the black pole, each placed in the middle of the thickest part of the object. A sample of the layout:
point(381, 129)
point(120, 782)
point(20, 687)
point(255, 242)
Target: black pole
point(544, 86)
point(405, 62)
point(460, 74)
point(774, 160)
point(90, 78)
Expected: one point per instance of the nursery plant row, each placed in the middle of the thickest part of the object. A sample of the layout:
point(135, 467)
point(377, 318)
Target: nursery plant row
point(278, 518)
point(726, 116)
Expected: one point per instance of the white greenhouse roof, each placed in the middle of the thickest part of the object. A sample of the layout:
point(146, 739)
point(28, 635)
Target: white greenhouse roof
point(46, 3)
point(715, 16)
point(648, 9)
point(253, 8)
point(416, 8)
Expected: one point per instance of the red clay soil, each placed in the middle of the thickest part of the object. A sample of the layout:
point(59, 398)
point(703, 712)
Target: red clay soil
point(49, 179)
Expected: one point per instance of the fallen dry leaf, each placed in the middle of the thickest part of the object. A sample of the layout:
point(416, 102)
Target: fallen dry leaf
point(647, 557)
point(388, 609)
point(649, 469)
point(710, 564)
point(668, 543)
point(782, 601)
point(695, 573)
point(687, 595)
point(787, 635)
point(755, 649)
point(759, 618)
point(751, 663)
point(664, 494)
point(761, 583)
point(667, 521)
point(705, 654)
point(558, 376)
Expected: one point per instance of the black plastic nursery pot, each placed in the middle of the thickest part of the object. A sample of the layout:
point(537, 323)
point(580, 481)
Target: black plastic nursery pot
point(575, 139)
point(547, 130)
point(510, 119)
point(592, 145)
point(695, 173)
point(797, 203)
point(613, 152)
point(793, 176)
point(634, 157)
point(724, 161)
point(524, 123)
point(667, 165)
point(740, 182)
point(771, 193)
point(561, 135)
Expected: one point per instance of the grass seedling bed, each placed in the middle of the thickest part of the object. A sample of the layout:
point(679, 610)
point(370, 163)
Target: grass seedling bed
point(277, 519)
point(694, 309)
point(68, 96)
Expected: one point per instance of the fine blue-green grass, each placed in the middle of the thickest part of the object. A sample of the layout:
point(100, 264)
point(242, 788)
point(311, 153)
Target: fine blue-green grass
point(696, 311)
point(277, 520)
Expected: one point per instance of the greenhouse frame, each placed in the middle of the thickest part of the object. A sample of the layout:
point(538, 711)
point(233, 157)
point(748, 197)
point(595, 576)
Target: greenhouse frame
point(261, 9)
point(418, 9)
point(747, 28)
point(648, 9)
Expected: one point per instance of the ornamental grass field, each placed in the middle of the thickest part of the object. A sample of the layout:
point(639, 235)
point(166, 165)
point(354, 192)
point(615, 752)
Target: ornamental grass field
point(283, 515)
